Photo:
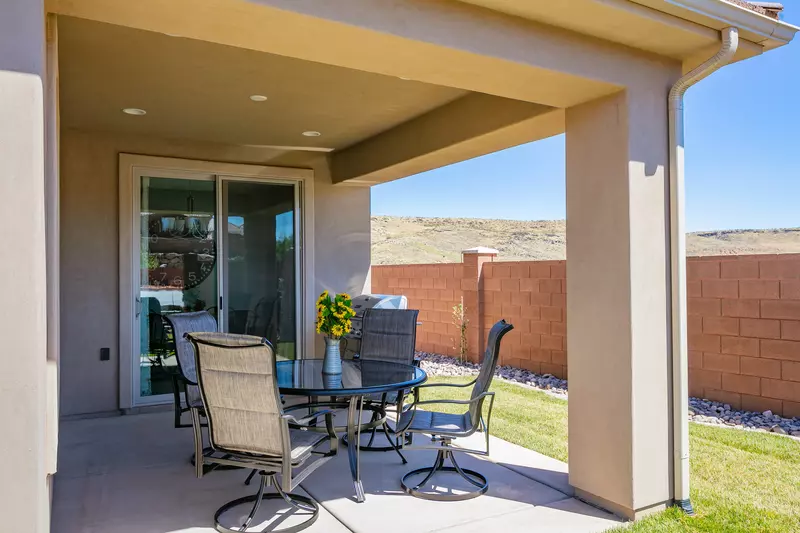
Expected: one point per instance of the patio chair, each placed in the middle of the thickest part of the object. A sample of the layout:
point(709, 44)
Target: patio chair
point(387, 335)
point(444, 428)
point(186, 377)
point(246, 422)
point(157, 343)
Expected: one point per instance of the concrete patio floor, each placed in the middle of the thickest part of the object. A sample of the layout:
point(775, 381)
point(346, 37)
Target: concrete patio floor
point(131, 474)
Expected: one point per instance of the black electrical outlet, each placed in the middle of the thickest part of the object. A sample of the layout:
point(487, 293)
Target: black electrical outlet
point(105, 354)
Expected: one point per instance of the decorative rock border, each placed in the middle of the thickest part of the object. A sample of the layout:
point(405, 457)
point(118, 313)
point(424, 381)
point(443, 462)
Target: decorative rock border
point(700, 410)
point(442, 365)
point(721, 414)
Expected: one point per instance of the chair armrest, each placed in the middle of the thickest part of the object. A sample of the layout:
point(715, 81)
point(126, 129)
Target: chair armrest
point(453, 385)
point(478, 399)
point(306, 419)
point(456, 402)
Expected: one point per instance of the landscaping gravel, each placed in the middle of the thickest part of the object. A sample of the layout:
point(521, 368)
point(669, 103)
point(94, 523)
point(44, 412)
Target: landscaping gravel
point(442, 365)
point(721, 414)
point(700, 410)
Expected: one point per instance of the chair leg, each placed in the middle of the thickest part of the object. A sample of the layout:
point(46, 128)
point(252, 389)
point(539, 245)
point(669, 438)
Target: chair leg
point(474, 478)
point(464, 474)
point(257, 504)
point(372, 437)
point(198, 443)
point(393, 442)
point(294, 501)
point(297, 501)
point(176, 398)
point(436, 466)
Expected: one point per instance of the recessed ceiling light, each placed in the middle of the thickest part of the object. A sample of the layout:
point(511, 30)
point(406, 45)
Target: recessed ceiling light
point(134, 111)
point(312, 133)
point(404, 79)
point(258, 98)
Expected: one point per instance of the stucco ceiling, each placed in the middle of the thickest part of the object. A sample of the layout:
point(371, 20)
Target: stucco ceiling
point(199, 90)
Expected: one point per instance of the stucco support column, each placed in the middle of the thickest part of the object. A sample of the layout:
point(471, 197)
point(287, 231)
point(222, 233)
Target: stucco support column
point(23, 328)
point(472, 292)
point(620, 453)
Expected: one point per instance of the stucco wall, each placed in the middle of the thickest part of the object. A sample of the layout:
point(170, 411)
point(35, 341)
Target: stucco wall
point(90, 236)
point(23, 389)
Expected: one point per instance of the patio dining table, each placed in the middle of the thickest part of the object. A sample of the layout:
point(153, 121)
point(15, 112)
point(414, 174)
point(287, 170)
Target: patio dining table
point(359, 379)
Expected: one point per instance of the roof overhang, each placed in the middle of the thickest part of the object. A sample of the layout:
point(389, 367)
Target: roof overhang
point(679, 29)
point(717, 14)
point(512, 67)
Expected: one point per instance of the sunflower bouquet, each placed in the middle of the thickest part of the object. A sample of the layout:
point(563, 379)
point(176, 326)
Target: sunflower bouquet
point(334, 314)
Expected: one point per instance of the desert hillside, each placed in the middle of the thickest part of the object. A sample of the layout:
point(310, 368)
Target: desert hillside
point(408, 240)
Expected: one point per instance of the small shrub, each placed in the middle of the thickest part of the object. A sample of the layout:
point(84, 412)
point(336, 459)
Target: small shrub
point(461, 322)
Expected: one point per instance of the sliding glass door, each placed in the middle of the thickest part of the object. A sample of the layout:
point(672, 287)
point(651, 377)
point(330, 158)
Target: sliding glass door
point(260, 262)
point(178, 270)
point(225, 245)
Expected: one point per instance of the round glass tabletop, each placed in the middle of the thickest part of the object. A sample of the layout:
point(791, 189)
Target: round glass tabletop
point(305, 377)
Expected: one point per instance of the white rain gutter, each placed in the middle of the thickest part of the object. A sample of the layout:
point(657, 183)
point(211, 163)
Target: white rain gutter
point(680, 357)
point(772, 32)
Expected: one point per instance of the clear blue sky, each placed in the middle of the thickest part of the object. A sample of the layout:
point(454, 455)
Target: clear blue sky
point(742, 159)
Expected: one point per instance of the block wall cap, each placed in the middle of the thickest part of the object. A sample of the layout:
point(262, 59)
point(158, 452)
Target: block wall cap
point(480, 250)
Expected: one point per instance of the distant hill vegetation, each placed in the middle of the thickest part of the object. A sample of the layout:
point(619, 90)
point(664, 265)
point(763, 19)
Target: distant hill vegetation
point(409, 240)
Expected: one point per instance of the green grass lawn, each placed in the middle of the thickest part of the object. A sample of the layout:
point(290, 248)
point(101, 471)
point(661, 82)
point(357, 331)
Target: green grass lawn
point(741, 481)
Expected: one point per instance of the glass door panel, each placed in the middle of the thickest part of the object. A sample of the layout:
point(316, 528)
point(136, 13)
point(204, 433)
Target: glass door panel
point(178, 269)
point(259, 274)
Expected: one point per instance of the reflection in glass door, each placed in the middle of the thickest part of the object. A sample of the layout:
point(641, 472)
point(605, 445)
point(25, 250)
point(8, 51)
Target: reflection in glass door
point(178, 273)
point(260, 262)
point(225, 245)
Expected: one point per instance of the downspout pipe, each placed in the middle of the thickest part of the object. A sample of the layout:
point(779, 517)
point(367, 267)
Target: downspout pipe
point(680, 354)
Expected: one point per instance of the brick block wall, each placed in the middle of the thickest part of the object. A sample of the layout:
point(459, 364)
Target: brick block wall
point(744, 320)
point(532, 296)
point(744, 331)
point(434, 290)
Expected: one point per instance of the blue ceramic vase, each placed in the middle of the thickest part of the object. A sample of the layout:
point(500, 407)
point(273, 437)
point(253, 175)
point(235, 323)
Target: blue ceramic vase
point(332, 364)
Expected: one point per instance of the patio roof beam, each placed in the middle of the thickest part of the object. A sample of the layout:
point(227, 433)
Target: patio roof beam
point(442, 43)
point(473, 125)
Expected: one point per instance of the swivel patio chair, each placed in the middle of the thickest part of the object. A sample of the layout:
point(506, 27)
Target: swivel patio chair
point(246, 422)
point(387, 335)
point(443, 428)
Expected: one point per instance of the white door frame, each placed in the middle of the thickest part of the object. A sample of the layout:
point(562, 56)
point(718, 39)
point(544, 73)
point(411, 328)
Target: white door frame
point(131, 169)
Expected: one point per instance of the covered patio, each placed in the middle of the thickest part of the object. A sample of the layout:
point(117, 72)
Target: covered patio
point(218, 155)
point(132, 475)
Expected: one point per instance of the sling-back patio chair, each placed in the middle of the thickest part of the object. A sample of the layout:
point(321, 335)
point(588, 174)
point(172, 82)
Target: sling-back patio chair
point(186, 378)
point(387, 335)
point(443, 428)
point(239, 389)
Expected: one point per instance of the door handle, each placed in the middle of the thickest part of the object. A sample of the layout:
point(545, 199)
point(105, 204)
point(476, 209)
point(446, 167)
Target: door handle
point(138, 307)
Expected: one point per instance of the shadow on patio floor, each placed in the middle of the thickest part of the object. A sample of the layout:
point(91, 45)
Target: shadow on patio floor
point(131, 475)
